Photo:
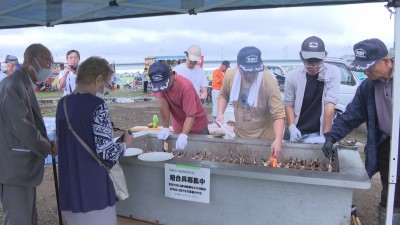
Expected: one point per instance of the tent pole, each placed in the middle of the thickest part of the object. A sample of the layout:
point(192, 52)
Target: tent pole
point(395, 121)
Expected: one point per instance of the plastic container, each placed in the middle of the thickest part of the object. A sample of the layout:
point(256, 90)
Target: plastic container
point(155, 121)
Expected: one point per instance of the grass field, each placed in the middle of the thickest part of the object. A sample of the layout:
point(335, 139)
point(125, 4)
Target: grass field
point(48, 108)
point(111, 94)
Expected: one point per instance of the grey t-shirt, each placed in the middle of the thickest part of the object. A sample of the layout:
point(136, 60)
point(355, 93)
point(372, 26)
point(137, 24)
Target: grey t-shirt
point(384, 105)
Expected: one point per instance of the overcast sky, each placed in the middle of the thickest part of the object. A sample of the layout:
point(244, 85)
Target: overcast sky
point(277, 32)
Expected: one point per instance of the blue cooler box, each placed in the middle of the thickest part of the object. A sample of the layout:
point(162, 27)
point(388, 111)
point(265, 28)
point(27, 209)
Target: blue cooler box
point(50, 123)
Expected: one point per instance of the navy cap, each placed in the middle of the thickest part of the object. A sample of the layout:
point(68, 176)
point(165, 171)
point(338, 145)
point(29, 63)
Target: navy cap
point(367, 53)
point(159, 73)
point(226, 63)
point(249, 59)
point(313, 47)
point(10, 58)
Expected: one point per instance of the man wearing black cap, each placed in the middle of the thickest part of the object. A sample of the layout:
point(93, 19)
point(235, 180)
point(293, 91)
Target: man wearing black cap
point(218, 77)
point(178, 98)
point(255, 98)
point(373, 104)
point(311, 93)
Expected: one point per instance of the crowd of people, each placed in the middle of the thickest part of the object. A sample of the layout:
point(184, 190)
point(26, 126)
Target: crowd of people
point(87, 195)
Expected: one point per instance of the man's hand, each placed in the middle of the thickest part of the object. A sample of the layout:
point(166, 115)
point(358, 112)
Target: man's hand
point(295, 134)
point(181, 142)
point(328, 147)
point(276, 148)
point(219, 119)
point(54, 148)
point(128, 139)
point(163, 134)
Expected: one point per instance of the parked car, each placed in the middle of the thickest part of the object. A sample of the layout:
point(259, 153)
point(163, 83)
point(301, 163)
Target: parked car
point(279, 74)
point(348, 86)
point(349, 83)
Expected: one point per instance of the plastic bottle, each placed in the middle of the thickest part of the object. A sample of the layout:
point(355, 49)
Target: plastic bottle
point(155, 121)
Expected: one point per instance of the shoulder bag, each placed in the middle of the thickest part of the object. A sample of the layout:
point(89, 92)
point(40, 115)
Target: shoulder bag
point(116, 173)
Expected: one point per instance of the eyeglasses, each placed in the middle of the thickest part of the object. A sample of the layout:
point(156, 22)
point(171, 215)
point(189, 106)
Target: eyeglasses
point(48, 60)
point(313, 65)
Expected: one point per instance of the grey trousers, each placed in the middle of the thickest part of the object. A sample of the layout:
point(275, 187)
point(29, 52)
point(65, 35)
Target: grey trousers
point(19, 205)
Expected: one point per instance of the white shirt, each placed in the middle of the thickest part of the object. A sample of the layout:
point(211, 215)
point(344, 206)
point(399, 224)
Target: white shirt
point(196, 75)
point(69, 82)
point(144, 76)
point(2, 75)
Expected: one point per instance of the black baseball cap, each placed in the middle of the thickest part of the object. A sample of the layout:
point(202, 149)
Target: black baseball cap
point(313, 47)
point(159, 73)
point(249, 59)
point(367, 53)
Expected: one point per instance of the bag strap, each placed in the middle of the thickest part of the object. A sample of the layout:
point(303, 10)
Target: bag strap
point(83, 143)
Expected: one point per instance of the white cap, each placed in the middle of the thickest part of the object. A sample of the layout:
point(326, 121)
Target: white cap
point(194, 53)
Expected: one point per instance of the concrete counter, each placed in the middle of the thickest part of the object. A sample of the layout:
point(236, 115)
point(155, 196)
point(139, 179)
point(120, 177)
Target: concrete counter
point(244, 193)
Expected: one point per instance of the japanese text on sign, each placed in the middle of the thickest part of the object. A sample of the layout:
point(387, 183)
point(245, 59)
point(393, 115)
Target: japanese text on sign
point(187, 183)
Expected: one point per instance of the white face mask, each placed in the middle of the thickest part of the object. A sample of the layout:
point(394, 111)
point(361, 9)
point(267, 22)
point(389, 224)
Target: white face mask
point(43, 73)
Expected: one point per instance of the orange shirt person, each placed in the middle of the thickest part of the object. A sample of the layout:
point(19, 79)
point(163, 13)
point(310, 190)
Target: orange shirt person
point(218, 78)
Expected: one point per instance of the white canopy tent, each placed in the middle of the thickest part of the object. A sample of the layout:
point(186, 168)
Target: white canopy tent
point(31, 13)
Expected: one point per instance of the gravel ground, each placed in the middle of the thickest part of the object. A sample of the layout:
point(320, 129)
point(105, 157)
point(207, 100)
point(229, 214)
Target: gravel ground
point(128, 115)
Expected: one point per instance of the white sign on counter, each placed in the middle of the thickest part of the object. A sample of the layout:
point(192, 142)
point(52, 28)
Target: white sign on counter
point(187, 182)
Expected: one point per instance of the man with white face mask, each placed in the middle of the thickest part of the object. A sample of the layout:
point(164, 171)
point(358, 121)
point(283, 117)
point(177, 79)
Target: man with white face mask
point(23, 138)
point(311, 90)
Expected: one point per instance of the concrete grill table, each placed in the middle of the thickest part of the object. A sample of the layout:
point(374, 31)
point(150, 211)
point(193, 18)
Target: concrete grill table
point(245, 193)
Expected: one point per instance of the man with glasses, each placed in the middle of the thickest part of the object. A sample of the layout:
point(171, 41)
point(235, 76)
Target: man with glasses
point(311, 93)
point(23, 138)
point(373, 105)
point(256, 100)
point(193, 72)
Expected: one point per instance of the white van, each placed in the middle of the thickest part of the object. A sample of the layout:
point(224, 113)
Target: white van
point(348, 84)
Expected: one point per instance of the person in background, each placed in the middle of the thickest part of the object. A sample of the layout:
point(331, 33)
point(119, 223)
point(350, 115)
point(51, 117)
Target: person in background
point(87, 194)
point(145, 80)
point(217, 78)
point(255, 98)
point(373, 105)
point(177, 98)
point(311, 93)
point(193, 72)
point(12, 64)
point(66, 77)
point(24, 143)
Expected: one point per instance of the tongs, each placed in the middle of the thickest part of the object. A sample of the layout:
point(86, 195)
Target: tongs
point(121, 138)
point(115, 128)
